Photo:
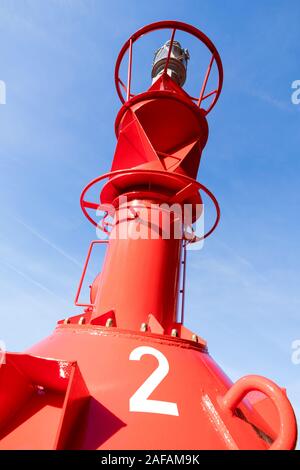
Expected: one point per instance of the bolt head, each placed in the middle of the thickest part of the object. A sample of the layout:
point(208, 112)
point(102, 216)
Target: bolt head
point(109, 323)
point(144, 327)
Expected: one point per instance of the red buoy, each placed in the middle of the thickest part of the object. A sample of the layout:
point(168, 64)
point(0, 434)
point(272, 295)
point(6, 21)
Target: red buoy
point(126, 373)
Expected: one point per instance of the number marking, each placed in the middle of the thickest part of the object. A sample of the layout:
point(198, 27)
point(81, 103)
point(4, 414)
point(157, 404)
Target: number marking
point(139, 401)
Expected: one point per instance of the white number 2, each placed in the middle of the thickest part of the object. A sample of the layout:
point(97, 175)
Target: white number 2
point(139, 400)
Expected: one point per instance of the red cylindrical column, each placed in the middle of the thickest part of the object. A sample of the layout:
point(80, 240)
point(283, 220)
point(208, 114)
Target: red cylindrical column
point(141, 270)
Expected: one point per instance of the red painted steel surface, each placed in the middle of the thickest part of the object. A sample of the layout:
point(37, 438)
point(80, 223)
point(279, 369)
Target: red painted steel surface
point(149, 270)
point(126, 373)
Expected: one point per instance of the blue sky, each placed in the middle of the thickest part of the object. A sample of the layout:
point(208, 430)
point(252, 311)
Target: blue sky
point(56, 129)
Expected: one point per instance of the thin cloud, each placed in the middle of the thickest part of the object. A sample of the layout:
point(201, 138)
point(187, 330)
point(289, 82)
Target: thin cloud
point(48, 242)
point(30, 279)
point(279, 104)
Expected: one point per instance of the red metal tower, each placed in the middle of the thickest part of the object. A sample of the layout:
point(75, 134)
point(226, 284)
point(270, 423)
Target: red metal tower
point(127, 373)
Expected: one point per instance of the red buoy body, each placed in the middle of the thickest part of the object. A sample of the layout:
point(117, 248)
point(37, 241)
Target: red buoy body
point(126, 373)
